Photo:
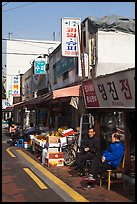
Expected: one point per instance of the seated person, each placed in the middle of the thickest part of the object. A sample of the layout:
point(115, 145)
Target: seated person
point(110, 159)
point(12, 131)
point(31, 130)
point(89, 149)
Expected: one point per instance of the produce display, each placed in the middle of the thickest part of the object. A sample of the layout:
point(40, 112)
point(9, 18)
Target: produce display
point(60, 132)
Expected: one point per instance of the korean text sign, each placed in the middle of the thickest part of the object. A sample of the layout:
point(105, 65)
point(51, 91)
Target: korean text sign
point(16, 86)
point(70, 37)
point(115, 90)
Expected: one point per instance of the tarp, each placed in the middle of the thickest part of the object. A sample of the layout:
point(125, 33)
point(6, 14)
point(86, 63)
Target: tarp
point(111, 23)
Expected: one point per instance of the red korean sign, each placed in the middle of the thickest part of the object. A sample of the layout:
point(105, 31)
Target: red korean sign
point(115, 90)
point(70, 37)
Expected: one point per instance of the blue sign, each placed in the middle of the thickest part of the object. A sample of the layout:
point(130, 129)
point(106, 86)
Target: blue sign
point(40, 66)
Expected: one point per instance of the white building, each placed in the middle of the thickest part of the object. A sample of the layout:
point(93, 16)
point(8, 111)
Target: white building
point(110, 44)
point(20, 54)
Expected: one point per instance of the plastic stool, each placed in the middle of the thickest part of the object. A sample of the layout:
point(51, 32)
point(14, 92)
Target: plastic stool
point(20, 143)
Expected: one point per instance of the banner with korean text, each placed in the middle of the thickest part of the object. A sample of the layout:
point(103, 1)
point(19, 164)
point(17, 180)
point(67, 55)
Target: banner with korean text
point(70, 32)
point(115, 90)
point(16, 86)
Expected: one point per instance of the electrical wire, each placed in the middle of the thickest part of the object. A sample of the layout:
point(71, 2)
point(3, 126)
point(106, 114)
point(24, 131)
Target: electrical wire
point(19, 6)
point(52, 42)
point(14, 53)
point(5, 4)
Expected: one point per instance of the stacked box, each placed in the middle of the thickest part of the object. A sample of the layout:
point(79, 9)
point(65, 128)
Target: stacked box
point(67, 132)
point(54, 159)
point(52, 139)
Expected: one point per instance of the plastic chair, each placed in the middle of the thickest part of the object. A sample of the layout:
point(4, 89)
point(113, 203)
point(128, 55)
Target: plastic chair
point(20, 143)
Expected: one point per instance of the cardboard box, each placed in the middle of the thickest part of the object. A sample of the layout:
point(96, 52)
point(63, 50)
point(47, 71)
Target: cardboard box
point(53, 149)
point(52, 139)
point(55, 155)
point(54, 159)
point(53, 144)
point(54, 162)
point(67, 132)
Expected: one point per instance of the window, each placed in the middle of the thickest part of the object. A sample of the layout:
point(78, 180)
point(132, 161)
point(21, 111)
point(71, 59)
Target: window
point(55, 76)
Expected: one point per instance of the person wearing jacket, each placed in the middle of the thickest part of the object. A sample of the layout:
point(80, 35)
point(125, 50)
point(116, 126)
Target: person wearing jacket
point(89, 150)
point(110, 159)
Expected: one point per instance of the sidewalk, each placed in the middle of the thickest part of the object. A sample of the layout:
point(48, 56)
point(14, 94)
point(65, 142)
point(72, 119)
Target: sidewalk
point(100, 194)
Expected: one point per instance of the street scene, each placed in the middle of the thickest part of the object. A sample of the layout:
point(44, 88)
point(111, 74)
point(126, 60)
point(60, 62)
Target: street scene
point(68, 102)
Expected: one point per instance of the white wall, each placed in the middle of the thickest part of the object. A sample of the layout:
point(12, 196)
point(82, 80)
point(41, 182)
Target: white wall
point(21, 63)
point(115, 52)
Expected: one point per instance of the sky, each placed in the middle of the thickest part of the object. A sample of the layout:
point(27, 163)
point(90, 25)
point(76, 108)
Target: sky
point(39, 20)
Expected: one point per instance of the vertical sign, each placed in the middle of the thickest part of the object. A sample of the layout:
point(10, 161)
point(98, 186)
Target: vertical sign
point(70, 37)
point(80, 66)
point(16, 86)
point(40, 66)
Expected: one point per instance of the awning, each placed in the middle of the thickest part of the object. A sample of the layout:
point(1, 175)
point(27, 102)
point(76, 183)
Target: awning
point(9, 108)
point(66, 92)
point(20, 104)
point(60, 93)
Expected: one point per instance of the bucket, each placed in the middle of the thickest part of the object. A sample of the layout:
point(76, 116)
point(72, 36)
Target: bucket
point(26, 145)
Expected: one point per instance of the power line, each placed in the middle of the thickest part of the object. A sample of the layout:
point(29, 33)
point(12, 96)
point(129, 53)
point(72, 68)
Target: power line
point(19, 6)
point(14, 53)
point(48, 42)
point(5, 4)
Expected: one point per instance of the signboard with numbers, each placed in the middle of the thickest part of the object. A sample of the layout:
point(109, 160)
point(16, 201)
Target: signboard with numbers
point(115, 90)
point(70, 37)
point(40, 66)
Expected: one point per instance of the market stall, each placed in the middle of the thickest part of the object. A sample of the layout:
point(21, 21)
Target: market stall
point(49, 146)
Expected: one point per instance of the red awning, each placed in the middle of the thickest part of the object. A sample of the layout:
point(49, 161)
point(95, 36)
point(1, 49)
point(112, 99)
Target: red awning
point(60, 93)
point(66, 92)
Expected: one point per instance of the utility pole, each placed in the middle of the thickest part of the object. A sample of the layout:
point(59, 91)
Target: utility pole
point(9, 35)
point(54, 36)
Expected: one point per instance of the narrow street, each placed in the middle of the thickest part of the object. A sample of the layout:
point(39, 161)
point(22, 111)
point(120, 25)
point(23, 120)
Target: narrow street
point(17, 185)
point(51, 185)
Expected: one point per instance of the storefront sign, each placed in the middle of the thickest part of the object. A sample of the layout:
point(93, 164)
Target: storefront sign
point(115, 90)
point(5, 103)
point(64, 64)
point(70, 37)
point(16, 86)
point(40, 66)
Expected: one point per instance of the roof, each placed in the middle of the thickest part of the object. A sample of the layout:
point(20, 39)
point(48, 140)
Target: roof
point(60, 93)
point(111, 23)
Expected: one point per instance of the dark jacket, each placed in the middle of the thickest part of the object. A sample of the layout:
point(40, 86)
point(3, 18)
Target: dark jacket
point(92, 143)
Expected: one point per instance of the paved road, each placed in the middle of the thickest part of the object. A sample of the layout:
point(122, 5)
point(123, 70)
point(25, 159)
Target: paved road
point(62, 183)
point(18, 186)
point(18, 174)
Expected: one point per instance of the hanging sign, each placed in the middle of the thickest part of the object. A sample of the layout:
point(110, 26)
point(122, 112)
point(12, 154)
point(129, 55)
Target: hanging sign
point(70, 37)
point(40, 66)
point(16, 86)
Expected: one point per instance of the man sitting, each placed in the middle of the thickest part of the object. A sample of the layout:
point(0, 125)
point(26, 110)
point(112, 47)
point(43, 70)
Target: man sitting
point(110, 159)
point(31, 130)
point(89, 150)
